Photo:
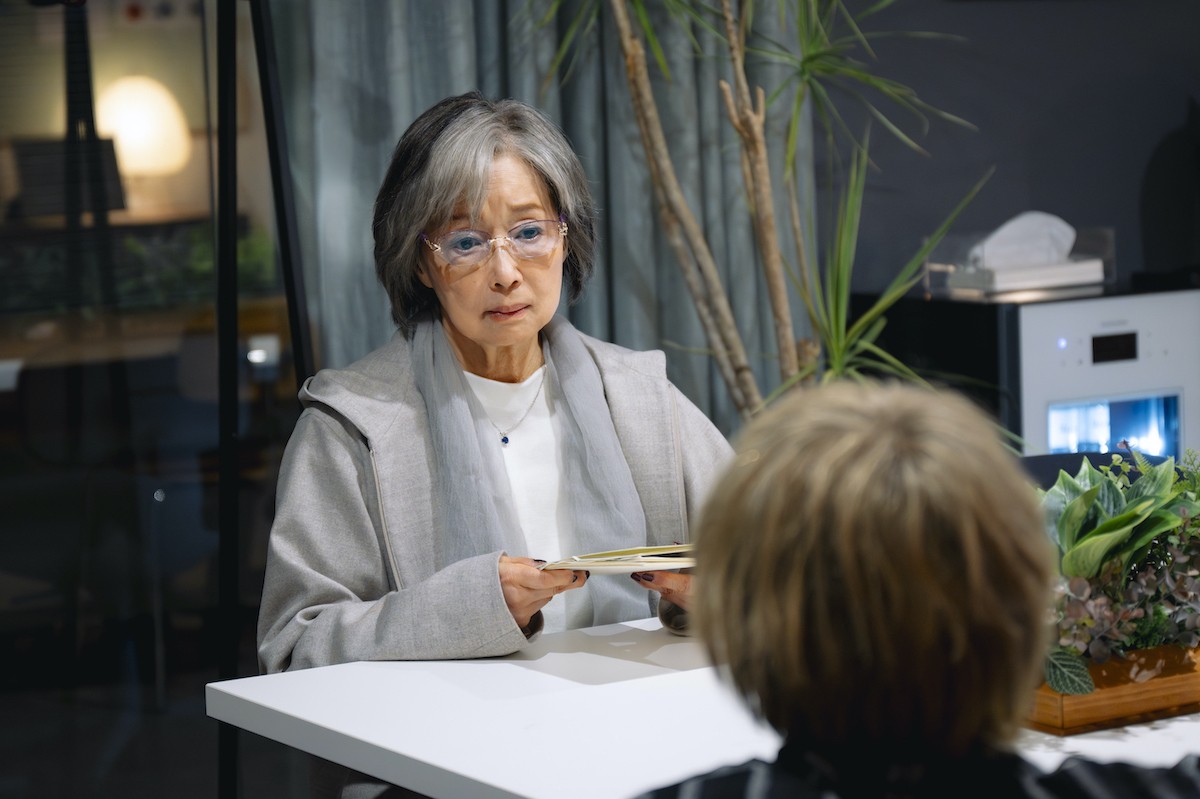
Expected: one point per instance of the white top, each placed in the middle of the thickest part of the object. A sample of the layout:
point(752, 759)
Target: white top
point(533, 460)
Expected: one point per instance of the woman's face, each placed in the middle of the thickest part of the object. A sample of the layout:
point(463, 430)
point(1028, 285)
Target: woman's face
point(494, 310)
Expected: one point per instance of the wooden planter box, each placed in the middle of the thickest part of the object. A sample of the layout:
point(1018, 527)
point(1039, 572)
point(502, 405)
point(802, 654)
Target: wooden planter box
point(1119, 700)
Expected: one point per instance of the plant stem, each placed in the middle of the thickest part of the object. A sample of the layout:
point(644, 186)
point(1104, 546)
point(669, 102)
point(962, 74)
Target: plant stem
point(749, 120)
point(700, 269)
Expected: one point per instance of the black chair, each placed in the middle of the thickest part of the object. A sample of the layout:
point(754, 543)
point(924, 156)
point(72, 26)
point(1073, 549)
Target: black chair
point(1044, 469)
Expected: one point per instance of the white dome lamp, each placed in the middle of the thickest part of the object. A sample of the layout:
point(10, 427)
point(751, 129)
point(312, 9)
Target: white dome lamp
point(149, 130)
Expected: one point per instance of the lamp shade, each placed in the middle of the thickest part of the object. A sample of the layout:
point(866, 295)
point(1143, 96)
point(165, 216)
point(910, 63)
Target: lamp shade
point(147, 124)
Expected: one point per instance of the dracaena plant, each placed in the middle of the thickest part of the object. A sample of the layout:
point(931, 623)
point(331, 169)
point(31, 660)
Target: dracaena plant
point(1128, 536)
point(826, 52)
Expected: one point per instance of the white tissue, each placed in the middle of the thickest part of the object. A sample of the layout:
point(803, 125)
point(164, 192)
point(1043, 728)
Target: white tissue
point(1033, 238)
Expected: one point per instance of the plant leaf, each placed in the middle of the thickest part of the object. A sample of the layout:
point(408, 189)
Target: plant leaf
point(1091, 551)
point(1065, 489)
point(1140, 461)
point(909, 274)
point(1073, 516)
point(1110, 501)
point(1067, 673)
point(1055, 499)
point(1088, 475)
point(1157, 523)
point(886, 362)
point(1156, 481)
point(639, 10)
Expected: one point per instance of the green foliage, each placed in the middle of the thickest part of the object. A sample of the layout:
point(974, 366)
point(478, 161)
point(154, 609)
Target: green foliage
point(825, 51)
point(829, 56)
point(1096, 516)
point(154, 266)
point(1154, 629)
point(1128, 536)
point(1118, 471)
point(835, 58)
point(1068, 673)
point(1190, 468)
point(848, 344)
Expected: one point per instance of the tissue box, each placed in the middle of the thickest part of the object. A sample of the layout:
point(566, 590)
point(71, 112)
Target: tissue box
point(1075, 272)
point(948, 272)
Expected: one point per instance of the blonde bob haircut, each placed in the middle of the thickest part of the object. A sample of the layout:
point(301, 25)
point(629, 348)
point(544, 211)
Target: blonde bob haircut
point(873, 569)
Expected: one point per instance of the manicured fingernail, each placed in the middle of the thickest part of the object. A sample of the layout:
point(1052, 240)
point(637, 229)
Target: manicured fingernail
point(574, 578)
point(648, 577)
point(587, 574)
point(636, 576)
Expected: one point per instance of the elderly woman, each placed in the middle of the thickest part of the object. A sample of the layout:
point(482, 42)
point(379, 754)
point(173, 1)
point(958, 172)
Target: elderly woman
point(888, 614)
point(423, 483)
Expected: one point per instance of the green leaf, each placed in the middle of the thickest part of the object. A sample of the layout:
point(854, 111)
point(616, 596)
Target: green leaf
point(1054, 500)
point(1067, 673)
point(1156, 481)
point(1140, 459)
point(1089, 553)
point(639, 10)
point(1181, 505)
point(889, 364)
point(1073, 517)
point(1157, 523)
point(1110, 501)
point(584, 20)
point(1058, 495)
point(849, 346)
point(1088, 475)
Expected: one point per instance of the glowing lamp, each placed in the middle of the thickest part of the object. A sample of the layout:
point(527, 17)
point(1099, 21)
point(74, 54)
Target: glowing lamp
point(148, 127)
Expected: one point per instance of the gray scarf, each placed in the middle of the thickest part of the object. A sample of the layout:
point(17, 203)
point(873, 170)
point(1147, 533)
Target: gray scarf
point(474, 512)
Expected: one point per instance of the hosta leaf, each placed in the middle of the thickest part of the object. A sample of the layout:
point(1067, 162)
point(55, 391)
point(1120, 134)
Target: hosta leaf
point(1067, 673)
point(1052, 507)
point(1067, 485)
point(1133, 514)
point(1110, 501)
point(1073, 516)
point(1055, 499)
point(1089, 475)
point(1157, 523)
point(1156, 481)
point(1090, 552)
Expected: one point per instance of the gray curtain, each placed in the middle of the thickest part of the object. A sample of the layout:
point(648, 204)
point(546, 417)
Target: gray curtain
point(355, 73)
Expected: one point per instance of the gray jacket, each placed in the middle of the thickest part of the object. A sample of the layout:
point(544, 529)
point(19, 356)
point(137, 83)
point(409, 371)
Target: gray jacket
point(350, 565)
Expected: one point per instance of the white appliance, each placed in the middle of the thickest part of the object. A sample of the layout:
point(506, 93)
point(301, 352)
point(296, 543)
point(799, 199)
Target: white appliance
point(1095, 371)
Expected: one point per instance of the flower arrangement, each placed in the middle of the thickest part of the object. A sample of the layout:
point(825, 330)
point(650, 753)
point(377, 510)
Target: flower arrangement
point(1128, 535)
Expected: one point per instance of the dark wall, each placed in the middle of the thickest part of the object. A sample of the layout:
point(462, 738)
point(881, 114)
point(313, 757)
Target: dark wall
point(1081, 105)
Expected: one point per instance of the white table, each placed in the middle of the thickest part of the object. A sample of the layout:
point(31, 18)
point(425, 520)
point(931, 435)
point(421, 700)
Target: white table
point(605, 712)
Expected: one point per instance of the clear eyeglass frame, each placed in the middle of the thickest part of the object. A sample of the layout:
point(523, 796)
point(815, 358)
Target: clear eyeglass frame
point(551, 232)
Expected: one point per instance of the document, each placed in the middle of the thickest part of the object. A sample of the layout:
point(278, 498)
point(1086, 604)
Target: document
point(628, 561)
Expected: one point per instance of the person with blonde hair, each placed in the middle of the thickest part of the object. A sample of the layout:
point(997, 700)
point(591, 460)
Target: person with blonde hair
point(874, 580)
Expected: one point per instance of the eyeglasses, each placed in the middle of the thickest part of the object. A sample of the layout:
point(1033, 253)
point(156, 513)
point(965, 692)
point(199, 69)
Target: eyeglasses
point(462, 248)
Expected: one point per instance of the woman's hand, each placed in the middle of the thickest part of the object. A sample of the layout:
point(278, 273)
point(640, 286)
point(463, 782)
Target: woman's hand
point(675, 587)
point(527, 588)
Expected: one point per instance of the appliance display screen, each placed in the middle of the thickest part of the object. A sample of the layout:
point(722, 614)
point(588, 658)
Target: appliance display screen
point(1149, 424)
point(1119, 347)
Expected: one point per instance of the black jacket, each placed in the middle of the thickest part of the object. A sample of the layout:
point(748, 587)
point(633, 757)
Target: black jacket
point(799, 773)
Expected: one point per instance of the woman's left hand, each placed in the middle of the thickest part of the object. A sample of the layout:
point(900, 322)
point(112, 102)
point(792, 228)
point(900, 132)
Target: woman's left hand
point(673, 586)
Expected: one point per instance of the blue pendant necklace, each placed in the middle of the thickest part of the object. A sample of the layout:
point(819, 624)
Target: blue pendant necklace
point(516, 424)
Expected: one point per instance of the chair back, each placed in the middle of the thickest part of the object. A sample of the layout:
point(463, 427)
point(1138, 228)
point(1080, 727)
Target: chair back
point(1044, 469)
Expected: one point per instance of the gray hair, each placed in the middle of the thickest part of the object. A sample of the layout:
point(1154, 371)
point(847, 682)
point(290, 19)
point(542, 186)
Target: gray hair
point(443, 160)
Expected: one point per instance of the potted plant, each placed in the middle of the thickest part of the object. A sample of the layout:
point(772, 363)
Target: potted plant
point(1127, 610)
point(824, 49)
